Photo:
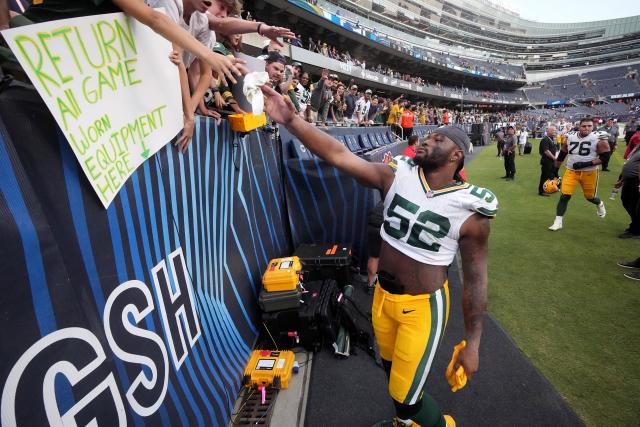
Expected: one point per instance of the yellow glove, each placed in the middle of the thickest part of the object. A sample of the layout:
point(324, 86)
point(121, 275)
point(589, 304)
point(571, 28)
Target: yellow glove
point(457, 379)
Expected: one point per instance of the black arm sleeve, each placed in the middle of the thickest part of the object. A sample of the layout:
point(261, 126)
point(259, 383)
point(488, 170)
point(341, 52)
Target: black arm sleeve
point(604, 157)
point(562, 155)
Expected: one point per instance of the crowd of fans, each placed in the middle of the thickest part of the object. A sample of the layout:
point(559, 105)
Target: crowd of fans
point(331, 52)
point(331, 101)
point(327, 101)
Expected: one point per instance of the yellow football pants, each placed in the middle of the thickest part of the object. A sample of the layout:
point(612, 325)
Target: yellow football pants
point(588, 180)
point(408, 330)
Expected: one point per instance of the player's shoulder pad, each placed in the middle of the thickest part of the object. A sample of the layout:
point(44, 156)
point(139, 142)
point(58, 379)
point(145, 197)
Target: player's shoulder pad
point(481, 200)
point(402, 163)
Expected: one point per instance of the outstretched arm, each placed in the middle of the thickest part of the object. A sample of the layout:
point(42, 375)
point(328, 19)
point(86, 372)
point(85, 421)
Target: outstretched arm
point(189, 120)
point(163, 25)
point(200, 79)
point(281, 109)
point(474, 249)
point(240, 26)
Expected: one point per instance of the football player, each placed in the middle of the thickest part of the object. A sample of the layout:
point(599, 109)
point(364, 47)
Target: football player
point(428, 214)
point(584, 150)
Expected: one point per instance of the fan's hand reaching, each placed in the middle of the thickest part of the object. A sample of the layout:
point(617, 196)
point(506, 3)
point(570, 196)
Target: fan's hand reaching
point(187, 132)
point(227, 68)
point(274, 32)
point(278, 107)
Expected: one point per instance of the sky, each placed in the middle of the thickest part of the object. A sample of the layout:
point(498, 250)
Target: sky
point(574, 10)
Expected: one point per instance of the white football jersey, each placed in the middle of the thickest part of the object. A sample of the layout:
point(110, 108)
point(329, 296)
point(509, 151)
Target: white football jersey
point(582, 149)
point(424, 224)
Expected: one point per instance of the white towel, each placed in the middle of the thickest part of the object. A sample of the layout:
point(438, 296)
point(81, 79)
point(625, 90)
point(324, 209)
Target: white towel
point(251, 89)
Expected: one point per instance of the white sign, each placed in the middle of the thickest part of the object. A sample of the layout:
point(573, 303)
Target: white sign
point(109, 84)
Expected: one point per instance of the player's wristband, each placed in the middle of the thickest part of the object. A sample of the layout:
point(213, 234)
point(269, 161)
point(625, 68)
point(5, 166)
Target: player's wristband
point(562, 155)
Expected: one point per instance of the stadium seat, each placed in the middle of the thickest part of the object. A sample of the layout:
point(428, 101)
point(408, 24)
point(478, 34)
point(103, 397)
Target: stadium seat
point(347, 142)
point(375, 140)
point(352, 144)
point(365, 141)
point(377, 136)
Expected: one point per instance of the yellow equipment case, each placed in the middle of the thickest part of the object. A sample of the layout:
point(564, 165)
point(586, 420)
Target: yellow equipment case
point(283, 274)
point(269, 368)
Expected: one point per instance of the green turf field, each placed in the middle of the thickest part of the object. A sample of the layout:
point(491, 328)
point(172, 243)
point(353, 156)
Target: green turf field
point(560, 295)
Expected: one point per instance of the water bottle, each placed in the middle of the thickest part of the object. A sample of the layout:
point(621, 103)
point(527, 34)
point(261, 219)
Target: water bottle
point(614, 193)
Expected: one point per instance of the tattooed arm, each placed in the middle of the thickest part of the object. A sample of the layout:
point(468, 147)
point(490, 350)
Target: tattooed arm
point(474, 236)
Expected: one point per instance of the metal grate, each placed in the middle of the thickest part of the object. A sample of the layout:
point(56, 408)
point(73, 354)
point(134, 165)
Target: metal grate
point(252, 411)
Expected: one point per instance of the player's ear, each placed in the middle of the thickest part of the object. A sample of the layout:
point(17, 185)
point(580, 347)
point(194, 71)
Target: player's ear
point(456, 155)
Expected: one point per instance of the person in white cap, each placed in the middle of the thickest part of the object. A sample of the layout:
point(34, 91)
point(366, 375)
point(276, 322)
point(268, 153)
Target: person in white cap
point(362, 108)
point(350, 100)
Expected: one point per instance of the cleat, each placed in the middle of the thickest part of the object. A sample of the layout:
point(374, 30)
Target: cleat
point(601, 211)
point(628, 235)
point(630, 264)
point(385, 423)
point(557, 225)
point(395, 422)
point(633, 276)
point(449, 420)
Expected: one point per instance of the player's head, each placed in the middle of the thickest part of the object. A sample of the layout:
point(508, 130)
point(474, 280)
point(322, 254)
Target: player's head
point(585, 126)
point(445, 148)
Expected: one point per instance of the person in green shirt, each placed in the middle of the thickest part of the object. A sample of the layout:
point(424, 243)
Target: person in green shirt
point(222, 93)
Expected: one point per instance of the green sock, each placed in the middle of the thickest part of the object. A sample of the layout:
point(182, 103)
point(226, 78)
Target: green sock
point(429, 414)
point(595, 200)
point(562, 205)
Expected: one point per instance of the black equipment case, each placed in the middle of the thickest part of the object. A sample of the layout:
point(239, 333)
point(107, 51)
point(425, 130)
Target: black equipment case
point(325, 261)
point(282, 300)
point(309, 325)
